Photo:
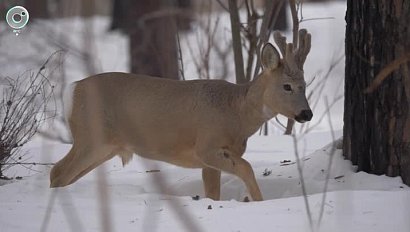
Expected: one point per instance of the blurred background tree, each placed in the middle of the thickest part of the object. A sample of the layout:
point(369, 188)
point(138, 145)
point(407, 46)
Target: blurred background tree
point(152, 26)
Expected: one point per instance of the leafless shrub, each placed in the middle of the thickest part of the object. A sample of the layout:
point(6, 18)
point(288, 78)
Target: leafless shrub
point(208, 47)
point(27, 102)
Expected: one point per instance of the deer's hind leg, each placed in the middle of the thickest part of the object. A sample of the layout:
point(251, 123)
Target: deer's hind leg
point(77, 163)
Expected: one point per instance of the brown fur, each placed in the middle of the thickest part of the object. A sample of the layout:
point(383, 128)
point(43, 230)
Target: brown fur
point(195, 124)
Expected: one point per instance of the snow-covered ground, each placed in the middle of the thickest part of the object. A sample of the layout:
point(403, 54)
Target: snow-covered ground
point(133, 200)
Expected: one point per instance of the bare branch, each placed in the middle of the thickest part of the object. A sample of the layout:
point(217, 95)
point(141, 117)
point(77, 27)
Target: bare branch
point(223, 5)
point(251, 36)
point(329, 165)
point(314, 19)
point(385, 72)
point(181, 61)
point(28, 163)
point(302, 181)
point(264, 34)
point(295, 21)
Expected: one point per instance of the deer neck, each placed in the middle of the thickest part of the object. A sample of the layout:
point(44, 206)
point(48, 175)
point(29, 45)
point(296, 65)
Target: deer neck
point(254, 111)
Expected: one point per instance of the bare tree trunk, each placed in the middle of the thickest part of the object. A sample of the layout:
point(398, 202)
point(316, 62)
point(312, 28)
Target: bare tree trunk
point(37, 9)
point(153, 46)
point(152, 27)
point(377, 124)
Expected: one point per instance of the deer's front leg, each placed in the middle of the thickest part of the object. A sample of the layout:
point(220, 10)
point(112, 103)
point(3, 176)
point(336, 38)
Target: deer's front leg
point(212, 183)
point(225, 160)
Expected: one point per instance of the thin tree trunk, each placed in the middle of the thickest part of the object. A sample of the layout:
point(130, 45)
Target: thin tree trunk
point(236, 42)
point(377, 124)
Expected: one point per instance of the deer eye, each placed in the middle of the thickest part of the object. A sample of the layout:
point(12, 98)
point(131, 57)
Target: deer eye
point(287, 87)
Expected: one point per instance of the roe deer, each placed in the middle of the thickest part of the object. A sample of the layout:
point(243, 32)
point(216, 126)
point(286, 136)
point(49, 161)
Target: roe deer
point(195, 124)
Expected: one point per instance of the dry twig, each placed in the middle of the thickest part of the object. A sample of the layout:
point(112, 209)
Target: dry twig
point(28, 101)
point(385, 72)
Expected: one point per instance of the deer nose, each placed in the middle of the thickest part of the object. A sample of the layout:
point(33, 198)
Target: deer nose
point(305, 115)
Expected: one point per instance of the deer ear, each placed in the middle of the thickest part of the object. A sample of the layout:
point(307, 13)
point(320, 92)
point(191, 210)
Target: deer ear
point(269, 57)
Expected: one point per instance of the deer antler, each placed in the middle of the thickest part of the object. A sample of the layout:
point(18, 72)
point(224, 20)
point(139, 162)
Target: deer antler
point(294, 58)
point(303, 48)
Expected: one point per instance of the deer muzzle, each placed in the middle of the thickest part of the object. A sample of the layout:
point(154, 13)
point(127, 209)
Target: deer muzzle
point(304, 116)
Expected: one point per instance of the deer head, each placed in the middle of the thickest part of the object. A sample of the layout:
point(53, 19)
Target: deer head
point(286, 91)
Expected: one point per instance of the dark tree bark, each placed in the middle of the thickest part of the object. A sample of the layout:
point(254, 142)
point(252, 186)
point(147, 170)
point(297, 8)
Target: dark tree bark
point(377, 124)
point(37, 9)
point(152, 27)
point(153, 46)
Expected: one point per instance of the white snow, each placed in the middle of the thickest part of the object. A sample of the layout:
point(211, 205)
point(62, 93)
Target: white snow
point(135, 201)
point(355, 201)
